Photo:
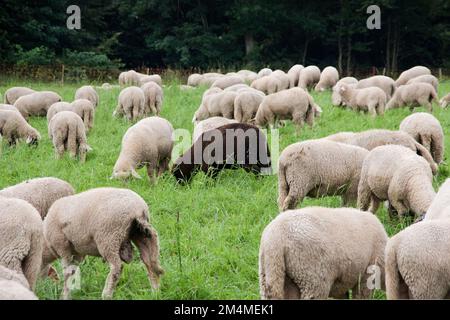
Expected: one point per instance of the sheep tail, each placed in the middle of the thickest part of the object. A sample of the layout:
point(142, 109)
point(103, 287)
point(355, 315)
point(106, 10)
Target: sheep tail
point(145, 238)
point(283, 186)
point(426, 154)
point(272, 268)
point(394, 280)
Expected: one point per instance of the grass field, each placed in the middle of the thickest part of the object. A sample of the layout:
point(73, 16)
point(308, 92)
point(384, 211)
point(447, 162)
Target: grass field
point(210, 230)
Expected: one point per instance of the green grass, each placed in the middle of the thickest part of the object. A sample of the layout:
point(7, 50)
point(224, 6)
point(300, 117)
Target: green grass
point(209, 230)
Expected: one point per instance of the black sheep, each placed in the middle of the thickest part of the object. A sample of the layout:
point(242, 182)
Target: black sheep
point(232, 146)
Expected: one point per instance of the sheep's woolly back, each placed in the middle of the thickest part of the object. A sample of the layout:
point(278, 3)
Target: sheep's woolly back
point(387, 84)
point(409, 74)
point(304, 251)
point(14, 93)
point(89, 93)
point(14, 286)
point(37, 103)
point(227, 81)
point(41, 193)
point(13, 127)
point(440, 207)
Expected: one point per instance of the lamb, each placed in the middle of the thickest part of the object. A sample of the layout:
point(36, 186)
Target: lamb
point(371, 99)
point(371, 139)
point(427, 78)
point(145, 78)
point(66, 130)
point(316, 253)
point(267, 84)
point(148, 142)
point(295, 104)
point(294, 75)
point(328, 79)
point(264, 72)
point(309, 76)
point(387, 84)
point(14, 286)
point(427, 131)
point(194, 79)
point(235, 145)
point(154, 96)
point(409, 74)
point(209, 124)
point(37, 103)
point(283, 77)
point(227, 81)
point(102, 222)
point(445, 101)
point(399, 175)
point(219, 104)
point(130, 77)
point(415, 95)
point(14, 127)
point(336, 98)
point(131, 103)
point(82, 107)
point(14, 93)
point(41, 193)
point(246, 105)
point(21, 238)
point(89, 93)
point(317, 168)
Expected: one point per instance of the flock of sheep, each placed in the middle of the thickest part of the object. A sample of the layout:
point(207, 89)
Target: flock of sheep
point(307, 253)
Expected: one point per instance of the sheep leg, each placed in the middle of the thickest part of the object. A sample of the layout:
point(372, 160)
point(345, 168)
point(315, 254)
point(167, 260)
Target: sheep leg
point(374, 203)
point(364, 195)
point(69, 268)
point(372, 110)
point(426, 142)
point(59, 146)
point(115, 265)
point(163, 166)
point(136, 111)
point(399, 206)
point(158, 106)
point(294, 196)
point(128, 113)
point(151, 172)
point(31, 265)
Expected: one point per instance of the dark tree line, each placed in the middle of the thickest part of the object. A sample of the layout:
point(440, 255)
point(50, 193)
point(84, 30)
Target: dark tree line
point(227, 33)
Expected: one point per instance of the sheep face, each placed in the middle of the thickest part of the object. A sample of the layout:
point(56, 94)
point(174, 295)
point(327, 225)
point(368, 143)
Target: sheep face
point(124, 174)
point(33, 137)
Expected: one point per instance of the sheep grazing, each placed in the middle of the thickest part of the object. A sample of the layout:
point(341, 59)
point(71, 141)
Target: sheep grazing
point(216, 104)
point(264, 72)
point(328, 79)
point(39, 192)
point(283, 77)
point(427, 131)
point(399, 175)
point(248, 75)
point(445, 101)
point(294, 75)
point(12, 94)
point(131, 103)
point(227, 81)
point(336, 98)
point(209, 124)
point(21, 238)
point(14, 286)
point(415, 95)
point(409, 74)
point(316, 168)
point(371, 99)
point(246, 105)
point(371, 139)
point(67, 132)
point(309, 76)
point(316, 253)
point(427, 78)
point(37, 103)
point(89, 93)
point(14, 127)
point(385, 83)
point(58, 107)
point(148, 142)
point(239, 87)
point(194, 79)
point(145, 78)
point(82, 107)
point(267, 84)
point(232, 146)
point(102, 222)
point(130, 77)
point(154, 96)
point(416, 258)
point(8, 107)
point(294, 104)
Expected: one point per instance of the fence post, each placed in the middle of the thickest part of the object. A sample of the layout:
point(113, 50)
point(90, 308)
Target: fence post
point(62, 75)
point(148, 70)
point(440, 73)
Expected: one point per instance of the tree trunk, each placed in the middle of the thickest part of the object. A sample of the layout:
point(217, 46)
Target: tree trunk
point(388, 48)
point(349, 54)
point(249, 43)
point(341, 23)
point(395, 49)
point(305, 52)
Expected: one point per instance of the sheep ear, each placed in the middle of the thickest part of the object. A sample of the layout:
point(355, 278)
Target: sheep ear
point(135, 174)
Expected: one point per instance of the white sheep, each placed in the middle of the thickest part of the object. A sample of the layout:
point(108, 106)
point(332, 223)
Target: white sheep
point(145, 78)
point(216, 104)
point(82, 107)
point(283, 77)
point(14, 286)
point(445, 101)
point(12, 94)
point(399, 175)
point(21, 238)
point(413, 95)
point(328, 79)
point(89, 93)
point(248, 75)
point(294, 75)
point(336, 98)
point(267, 84)
point(131, 103)
point(14, 127)
point(194, 79)
point(67, 132)
point(387, 84)
point(148, 142)
point(102, 222)
point(318, 168)
point(209, 124)
point(316, 253)
point(426, 78)
point(227, 81)
point(246, 105)
point(130, 77)
point(409, 74)
point(371, 99)
point(37, 103)
point(264, 72)
point(8, 107)
point(154, 96)
point(309, 76)
point(427, 131)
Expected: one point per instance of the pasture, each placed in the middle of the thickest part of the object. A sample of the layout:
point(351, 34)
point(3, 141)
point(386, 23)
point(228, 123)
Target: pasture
point(209, 230)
